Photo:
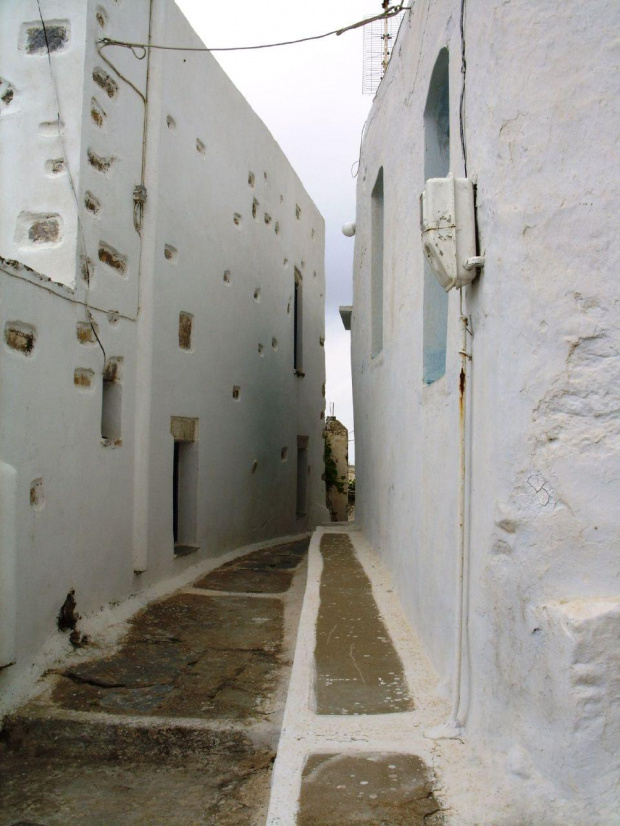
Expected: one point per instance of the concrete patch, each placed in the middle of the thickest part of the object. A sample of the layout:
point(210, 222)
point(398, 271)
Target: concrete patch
point(358, 670)
point(386, 789)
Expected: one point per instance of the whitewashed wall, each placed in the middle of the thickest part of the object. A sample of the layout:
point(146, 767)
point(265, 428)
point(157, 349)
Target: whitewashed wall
point(86, 513)
point(541, 114)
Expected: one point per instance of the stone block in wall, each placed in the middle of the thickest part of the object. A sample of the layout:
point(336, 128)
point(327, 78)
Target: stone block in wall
point(582, 687)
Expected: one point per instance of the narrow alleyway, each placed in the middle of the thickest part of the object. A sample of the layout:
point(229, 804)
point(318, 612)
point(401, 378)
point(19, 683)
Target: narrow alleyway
point(180, 724)
point(284, 687)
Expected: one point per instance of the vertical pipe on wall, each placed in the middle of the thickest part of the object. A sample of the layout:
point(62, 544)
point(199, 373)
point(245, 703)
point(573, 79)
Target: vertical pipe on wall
point(458, 716)
point(144, 355)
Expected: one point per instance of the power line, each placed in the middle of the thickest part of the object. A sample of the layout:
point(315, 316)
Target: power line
point(391, 11)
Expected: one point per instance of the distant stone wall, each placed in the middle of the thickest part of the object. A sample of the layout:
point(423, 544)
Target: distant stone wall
point(337, 437)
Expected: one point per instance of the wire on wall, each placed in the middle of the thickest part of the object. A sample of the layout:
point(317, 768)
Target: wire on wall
point(462, 100)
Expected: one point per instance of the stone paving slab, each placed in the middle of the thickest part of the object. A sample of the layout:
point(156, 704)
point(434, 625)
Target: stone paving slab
point(267, 571)
point(188, 656)
point(358, 670)
point(386, 789)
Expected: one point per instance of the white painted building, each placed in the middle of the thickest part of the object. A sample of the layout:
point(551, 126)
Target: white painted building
point(536, 97)
point(162, 361)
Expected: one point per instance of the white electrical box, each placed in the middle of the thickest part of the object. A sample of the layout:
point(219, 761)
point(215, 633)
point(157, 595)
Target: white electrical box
point(448, 223)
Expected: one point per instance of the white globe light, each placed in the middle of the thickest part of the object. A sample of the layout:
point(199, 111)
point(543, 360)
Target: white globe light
point(349, 229)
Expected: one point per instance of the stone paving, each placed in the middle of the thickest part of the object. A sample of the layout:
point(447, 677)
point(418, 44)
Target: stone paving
point(180, 724)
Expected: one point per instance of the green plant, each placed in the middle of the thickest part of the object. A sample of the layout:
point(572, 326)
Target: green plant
point(331, 471)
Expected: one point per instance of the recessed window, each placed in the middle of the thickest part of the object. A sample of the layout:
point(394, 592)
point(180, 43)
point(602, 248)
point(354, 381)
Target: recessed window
point(184, 484)
point(298, 323)
point(111, 401)
point(376, 275)
point(436, 165)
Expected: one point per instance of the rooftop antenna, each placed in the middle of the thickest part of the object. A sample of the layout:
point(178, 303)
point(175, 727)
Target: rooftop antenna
point(379, 37)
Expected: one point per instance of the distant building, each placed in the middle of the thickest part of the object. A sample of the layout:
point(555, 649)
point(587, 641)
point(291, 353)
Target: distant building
point(336, 469)
point(511, 581)
point(162, 317)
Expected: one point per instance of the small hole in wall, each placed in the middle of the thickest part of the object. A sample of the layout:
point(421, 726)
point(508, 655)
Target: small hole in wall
point(314, 274)
point(265, 175)
point(323, 390)
point(288, 308)
point(303, 265)
point(83, 378)
point(298, 212)
point(312, 234)
point(113, 317)
point(281, 199)
point(91, 203)
point(254, 465)
point(322, 341)
point(285, 262)
point(274, 343)
point(37, 494)
point(255, 206)
point(277, 228)
point(102, 17)
point(85, 332)
point(261, 350)
point(185, 330)
point(236, 393)
point(20, 337)
point(237, 219)
point(322, 414)
point(200, 147)
point(171, 122)
point(267, 218)
point(170, 253)
point(227, 276)
point(284, 454)
point(251, 179)
point(257, 294)
point(55, 166)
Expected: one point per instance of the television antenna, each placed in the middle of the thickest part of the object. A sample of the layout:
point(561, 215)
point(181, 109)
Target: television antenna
point(379, 38)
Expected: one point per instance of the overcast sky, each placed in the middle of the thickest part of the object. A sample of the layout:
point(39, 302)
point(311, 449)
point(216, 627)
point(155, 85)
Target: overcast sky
point(309, 96)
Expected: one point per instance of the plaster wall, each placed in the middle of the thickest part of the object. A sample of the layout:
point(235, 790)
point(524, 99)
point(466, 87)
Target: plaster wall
point(540, 106)
point(96, 514)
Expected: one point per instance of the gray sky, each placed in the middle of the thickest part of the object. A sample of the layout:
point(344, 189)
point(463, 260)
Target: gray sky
point(309, 96)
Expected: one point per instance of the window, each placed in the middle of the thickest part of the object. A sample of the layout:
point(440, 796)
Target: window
point(298, 325)
point(302, 475)
point(376, 278)
point(436, 165)
point(111, 401)
point(184, 484)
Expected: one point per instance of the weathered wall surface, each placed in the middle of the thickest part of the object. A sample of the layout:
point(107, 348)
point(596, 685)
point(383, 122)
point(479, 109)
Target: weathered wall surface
point(540, 112)
point(337, 437)
point(190, 318)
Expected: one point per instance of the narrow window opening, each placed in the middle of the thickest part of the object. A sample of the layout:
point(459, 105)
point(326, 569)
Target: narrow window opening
point(185, 330)
point(302, 475)
point(111, 402)
point(376, 285)
point(436, 165)
point(298, 325)
point(184, 485)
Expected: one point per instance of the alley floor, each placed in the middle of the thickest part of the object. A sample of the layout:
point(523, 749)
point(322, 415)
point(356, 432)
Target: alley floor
point(179, 725)
point(284, 687)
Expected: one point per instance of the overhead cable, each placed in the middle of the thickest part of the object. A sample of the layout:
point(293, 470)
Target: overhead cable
point(391, 11)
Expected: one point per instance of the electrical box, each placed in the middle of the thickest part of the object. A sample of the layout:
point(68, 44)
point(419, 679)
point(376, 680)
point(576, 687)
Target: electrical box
point(448, 223)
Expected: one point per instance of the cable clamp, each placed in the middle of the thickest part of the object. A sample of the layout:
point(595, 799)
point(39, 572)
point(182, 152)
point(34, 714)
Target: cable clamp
point(139, 194)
